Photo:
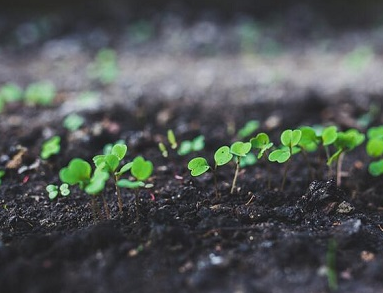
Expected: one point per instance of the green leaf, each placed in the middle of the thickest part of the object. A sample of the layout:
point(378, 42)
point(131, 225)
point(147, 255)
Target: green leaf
point(64, 189)
point(97, 182)
point(349, 139)
point(73, 122)
point(198, 143)
point(375, 132)
point(125, 183)
point(163, 150)
point(248, 129)
point(329, 135)
point(280, 155)
point(262, 142)
point(172, 139)
point(141, 169)
point(376, 168)
point(222, 156)
point(198, 166)
point(334, 157)
point(185, 148)
point(40, 93)
point(240, 148)
point(52, 191)
point(78, 171)
point(290, 137)
point(124, 169)
point(249, 160)
point(112, 162)
point(51, 147)
point(119, 150)
point(309, 140)
point(11, 92)
point(374, 147)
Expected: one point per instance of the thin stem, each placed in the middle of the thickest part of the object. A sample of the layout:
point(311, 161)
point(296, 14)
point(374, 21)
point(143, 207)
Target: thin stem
point(119, 198)
point(136, 198)
point(339, 169)
point(106, 207)
point(285, 175)
point(217, 195)
point(312, 175)
point(235, 175)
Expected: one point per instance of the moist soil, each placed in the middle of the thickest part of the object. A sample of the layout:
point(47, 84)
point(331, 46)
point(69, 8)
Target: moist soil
point(181, 237)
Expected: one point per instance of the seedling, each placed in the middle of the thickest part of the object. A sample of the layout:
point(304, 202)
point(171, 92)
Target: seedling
point(54, 190)
point(110, 162)
point(104, 68)
point(262, 144)
point(9, 93)
point(248, 129)
point(309, 143)
point(186, 146)
point(141, 170)
point(345, 141)
point(290, 140)
point(73, 122)
point(40, 93)
point(50, 147)
point(222, 156)
point(374, 149)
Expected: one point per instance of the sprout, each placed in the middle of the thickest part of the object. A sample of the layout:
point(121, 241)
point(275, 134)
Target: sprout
point(50, 147)
point(73, 122)
point(40, 93)
point(290, 140)
point(248, 129)
point(54, 190)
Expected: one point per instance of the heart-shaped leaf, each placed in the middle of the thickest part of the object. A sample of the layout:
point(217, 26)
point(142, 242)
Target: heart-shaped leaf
point(198, 166)
point(376, 168)
point(222, 156)
point(280, 155)
point(78, 171)
point(240, 148)
point(141, 169)
point(329, 135)
point(374, 147)
point(119, 150)
point(290, 137)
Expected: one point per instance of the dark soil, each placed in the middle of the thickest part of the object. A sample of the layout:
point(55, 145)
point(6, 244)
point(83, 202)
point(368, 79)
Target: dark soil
point(185, 239)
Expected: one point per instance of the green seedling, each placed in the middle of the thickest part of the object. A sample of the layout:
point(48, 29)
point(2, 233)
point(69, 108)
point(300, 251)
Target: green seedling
point(239, 149)
point(79, 172)
point(2, 174)
point(54, 190)
point(345, 142)
point(309, 143)
point(374, 149)
point(171, 140)
point(104, 68)
point(249, 128)
point(290, 141)
point(10, 93)
point(141, 170)
point(188, 146)
point(40, 93)
point(222, 156)
point(73, 122)
point(51, 147)
point(199, 165)
point(262, 144)
point(367, 118)
point(110, 162)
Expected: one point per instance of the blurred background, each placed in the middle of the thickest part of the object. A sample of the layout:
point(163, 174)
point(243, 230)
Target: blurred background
point(213, 49)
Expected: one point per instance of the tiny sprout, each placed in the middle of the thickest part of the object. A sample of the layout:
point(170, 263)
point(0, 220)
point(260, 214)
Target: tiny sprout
point(141, 169)
point(329, 135)
point(40, 93)
point(376, 168)
point(290, 140)
point(309, 141)
point(73, 122)
point(50, 147)
point(104, 68)
point(223, 156)
point(239, 149)
point(54, 190)
point(172, 139)
point(248, 129)
point(345, 141)
point(188, 146)
point(163, 149)
point(262, 143)
point(10, 92)
point(374, 149)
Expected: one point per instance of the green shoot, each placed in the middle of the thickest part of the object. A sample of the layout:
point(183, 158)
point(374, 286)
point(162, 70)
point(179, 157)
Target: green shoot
point(11, 92)
point(104, 68)
point(54, 190)
point(248, 129)
point(172, 139)
point(290, 140)
point(345, 141)
point(262, 143)
point(332, 278)
point(374, 149)
point(189, 146)
point(73, 122)
point(50, 147)
point(40, 93)
point(198, 166)
point(239, 149)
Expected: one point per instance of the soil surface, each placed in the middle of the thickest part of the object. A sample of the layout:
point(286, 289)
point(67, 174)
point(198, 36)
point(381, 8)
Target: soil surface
point(205, 76)
point(184, 239)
